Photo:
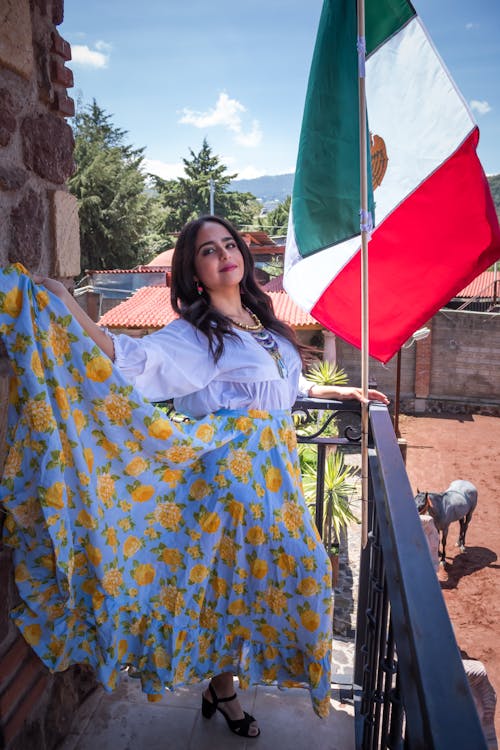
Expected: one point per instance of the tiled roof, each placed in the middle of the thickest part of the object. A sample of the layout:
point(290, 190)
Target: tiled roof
point(137, 269)
point(275, 285)
point(150, 308)
point(163, 259)
point(481, 286)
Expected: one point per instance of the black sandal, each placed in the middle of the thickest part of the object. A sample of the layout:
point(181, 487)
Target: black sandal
point(238, 726)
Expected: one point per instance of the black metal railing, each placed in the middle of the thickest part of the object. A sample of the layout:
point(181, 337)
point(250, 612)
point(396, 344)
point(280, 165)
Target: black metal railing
point(410, 687)
point(410, 690)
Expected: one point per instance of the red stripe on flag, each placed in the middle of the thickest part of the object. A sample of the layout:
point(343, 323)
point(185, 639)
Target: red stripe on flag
point(435, 243)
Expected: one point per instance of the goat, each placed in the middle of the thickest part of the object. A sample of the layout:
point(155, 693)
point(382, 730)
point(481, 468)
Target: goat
point(457, 503)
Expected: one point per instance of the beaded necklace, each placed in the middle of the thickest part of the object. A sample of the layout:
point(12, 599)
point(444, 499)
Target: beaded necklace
point(265, 340)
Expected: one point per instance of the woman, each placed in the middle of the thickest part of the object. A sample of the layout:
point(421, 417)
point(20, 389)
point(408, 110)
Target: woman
point(249, 574)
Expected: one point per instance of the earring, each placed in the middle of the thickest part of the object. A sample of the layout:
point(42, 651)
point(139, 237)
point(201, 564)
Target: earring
point(199, 288)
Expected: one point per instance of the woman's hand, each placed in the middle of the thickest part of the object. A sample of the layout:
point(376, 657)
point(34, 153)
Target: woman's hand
point(346, 392)
point(56, 287)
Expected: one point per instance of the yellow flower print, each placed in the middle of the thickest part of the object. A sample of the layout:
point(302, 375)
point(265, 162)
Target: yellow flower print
point(172, 599)
point(62, 400)
point(199, 489)
point(144, 574)
point(12, 302)
point(275, 600)
point(143, 493)
point(308, 586)
point(89, 458)
point(122, 648)
point(21, 573)
point(98, 368)
point(291, 514)
point(13, 390)
point(208, 619)
point(244, 424)
point(237, 512)
point(310, 620)
point(36, 364)
point(13, 463)
point(255, 536)
point(161, 659)
point(258, 568)
point(288, 437)
point(67, 451)
point(133, 446)
point(209, 522)
point(240, 464)
point(80, 420)
point(94, 554)
point(227, 550)
point(105, 487)
point(270, 674)
point(219, 586)
point(111, 449)
point(259, 490)
point(40, 416)
point(32, 634)
point(275, 532)
point(89, 586)
point(131, 545)
point(269, 632)
point(160, 428)
point(125, 524)
point(256, 510)
point(179, 454)
point(172, 476)
point(85, 519)
point(267, 439)
point(309, 563)
point(258, 414)
point(194, 551)
point(322, 707)
point(205, 432)
point(271, 653)
point(124, 506)
point(135, 467)
point(54, 495)
point(273, 479)
point(111, 538)
point(42, 299)
point(117, 408)
point(168, 515)
point(112, 581)
point(172, 557)
point(198, 573)
point(321, 649)
point(241, 632)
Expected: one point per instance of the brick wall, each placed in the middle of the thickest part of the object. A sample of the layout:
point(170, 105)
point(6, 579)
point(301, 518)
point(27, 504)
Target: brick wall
point(39, 228)
point(457, 368)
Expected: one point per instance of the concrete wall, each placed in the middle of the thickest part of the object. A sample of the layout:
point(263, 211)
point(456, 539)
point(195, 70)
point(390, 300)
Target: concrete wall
point(39, 228)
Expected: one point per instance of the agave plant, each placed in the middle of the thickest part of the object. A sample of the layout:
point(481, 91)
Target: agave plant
point(338, 488)
point(324, 372)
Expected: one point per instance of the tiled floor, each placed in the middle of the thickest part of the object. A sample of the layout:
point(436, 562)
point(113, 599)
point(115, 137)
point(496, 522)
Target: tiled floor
point(125, 720)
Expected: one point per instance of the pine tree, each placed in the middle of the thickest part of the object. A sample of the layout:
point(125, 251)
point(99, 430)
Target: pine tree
point(189, 197)
point(110, 187)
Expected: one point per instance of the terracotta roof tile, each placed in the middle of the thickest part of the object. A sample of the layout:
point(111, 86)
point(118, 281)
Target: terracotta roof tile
point(150, 308)
point(481, 286)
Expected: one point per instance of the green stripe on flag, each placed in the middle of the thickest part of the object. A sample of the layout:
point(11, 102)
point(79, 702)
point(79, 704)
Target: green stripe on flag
point(326, 193)
point(383, 18)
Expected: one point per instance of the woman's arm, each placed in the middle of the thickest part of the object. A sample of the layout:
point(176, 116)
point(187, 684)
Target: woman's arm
point(346, 392)
point(96, 333)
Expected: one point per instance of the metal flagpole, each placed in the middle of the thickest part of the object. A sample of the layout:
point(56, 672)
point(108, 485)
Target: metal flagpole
point(365, 226)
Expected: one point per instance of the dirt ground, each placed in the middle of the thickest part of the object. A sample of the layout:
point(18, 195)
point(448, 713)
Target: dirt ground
point(441, 449)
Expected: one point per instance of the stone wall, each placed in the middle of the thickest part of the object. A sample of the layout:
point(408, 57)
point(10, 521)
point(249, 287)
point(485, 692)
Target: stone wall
point(39, 228)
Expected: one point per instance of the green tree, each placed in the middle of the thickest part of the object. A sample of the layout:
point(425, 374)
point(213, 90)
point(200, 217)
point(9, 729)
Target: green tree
point(275, 223)
point(109, 185)
point(189, 197)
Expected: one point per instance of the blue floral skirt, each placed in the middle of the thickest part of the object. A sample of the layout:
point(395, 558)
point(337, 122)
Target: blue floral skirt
point(180, 549)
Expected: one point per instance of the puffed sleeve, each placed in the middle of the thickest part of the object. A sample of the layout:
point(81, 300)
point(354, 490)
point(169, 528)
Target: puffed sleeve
point(170, 363)
point(304, 387)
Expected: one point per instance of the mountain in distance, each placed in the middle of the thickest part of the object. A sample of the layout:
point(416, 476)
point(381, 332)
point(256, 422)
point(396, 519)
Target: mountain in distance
point(273, 189)
point(268, 188)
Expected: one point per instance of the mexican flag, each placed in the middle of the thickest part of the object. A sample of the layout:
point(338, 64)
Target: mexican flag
point(436, 227)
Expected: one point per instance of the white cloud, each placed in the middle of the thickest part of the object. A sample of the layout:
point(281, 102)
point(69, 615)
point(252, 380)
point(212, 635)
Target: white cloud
point(469, 26)
point(81, 54)
point(481, 107)
point(227, 114)
point(163, 169)
point(103, 46)
point(250, 173)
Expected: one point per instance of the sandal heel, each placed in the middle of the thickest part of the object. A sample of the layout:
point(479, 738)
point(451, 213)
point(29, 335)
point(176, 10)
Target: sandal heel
point(207, 709)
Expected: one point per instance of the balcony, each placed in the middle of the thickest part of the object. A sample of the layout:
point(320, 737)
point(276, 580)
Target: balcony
point(405, 686)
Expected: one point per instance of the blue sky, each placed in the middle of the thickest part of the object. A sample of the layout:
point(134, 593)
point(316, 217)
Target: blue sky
point(171, 72)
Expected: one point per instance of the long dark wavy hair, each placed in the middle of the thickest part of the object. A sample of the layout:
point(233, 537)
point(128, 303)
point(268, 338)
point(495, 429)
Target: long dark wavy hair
point(196, 308)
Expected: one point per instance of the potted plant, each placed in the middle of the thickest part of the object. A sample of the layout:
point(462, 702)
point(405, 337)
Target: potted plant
point(338, 487)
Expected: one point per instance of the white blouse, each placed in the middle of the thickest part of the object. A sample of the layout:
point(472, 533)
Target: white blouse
point(176, 363)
